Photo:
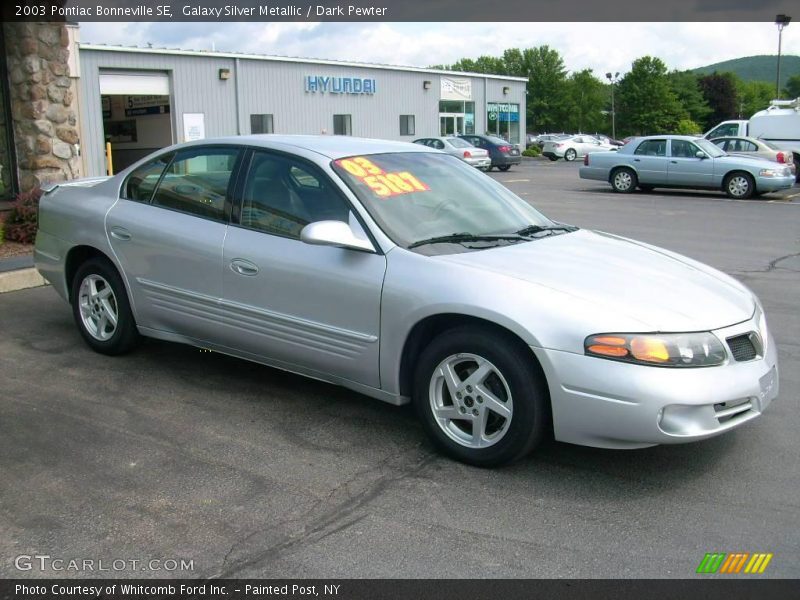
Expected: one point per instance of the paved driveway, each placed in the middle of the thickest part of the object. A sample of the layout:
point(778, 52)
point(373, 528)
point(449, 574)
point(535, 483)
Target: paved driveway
point(175, 453)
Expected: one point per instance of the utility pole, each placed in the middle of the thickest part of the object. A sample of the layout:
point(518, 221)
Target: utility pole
point(613, 79)
point(781, 21)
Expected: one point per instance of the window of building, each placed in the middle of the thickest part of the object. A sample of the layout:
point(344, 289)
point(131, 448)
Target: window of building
point(342, 125)
point(197, 182)
point(261, 124)
point(282, 195)
point(407, 125)
point(502, 120)
point(140, 184)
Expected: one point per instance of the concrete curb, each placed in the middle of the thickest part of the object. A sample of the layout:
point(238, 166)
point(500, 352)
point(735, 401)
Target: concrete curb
point(21, 279)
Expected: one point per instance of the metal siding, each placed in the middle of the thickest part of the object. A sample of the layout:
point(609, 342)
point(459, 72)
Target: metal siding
point(277, 88)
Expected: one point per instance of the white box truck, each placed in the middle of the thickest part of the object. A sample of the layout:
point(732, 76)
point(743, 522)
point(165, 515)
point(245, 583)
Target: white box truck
point(778, 124)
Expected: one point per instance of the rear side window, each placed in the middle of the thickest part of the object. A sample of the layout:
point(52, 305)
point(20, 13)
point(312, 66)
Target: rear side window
point(140, 184)
point(652, 148)
point(197, 182)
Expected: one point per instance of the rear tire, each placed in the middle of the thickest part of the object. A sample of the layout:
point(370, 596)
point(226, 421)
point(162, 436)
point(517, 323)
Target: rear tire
point(494, 386)
point(101, 309)
point(739, 185)
point(570, 155)
point(504, 168)
point(553, 158)
point(623, 180)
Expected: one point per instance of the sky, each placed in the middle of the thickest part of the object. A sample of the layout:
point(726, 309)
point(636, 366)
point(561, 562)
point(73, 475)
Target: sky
point(601, 47)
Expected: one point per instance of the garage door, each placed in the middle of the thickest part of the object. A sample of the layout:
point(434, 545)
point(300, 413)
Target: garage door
point(135, 83)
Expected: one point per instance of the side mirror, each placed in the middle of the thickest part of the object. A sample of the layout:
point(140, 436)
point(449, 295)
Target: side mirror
point(700, 154)
point(334, 233)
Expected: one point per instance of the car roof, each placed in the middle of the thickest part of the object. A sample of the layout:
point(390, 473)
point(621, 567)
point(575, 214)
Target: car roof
point(690, 138)
point(331, 146)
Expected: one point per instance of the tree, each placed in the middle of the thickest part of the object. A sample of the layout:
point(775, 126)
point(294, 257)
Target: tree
point(753, 97)
point(721, 93)
point(645, 101)
point(686, 88)
point(547, 83)
point(792, 89)
point(587, 97)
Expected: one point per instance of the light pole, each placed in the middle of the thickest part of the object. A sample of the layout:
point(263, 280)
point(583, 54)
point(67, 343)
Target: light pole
point(613, 79)
point(781, 21)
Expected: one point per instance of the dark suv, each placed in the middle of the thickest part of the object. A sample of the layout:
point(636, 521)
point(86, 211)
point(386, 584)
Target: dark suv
point(503, 153)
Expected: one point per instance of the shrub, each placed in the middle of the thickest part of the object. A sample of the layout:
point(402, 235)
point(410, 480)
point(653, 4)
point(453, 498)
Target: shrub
point(532, 151)
point(21, 223)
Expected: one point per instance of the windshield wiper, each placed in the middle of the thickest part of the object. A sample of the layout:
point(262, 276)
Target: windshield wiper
point(532, 229)
point(457, 238)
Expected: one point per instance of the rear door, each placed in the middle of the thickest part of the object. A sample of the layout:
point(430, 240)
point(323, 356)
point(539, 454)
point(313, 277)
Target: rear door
point(167, 231)
point(300, 305)
point(685, 169)
point(650, 160)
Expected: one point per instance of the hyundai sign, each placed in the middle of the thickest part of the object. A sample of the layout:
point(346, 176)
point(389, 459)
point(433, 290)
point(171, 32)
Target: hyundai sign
point(339, 85)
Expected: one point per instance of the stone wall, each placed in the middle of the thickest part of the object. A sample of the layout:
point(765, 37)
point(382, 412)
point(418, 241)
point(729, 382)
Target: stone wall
point(43, 103)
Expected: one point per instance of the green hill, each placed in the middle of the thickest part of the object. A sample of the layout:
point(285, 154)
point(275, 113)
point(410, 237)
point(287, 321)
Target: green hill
point(756, 68)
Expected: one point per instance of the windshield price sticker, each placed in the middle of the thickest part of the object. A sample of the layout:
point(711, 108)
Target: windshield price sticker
point(382, 184)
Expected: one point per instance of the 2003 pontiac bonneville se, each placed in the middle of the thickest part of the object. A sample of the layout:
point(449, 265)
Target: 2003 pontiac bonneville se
point(404, 274)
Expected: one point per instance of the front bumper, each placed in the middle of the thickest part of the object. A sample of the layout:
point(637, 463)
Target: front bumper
point(607, 404)
point(774, 184)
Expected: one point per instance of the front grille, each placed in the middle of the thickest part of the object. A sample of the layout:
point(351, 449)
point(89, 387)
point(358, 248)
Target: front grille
point(726, 411)
point(742, 347)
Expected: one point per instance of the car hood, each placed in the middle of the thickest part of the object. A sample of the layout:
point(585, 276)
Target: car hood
point(661, 290)
point(755, 162)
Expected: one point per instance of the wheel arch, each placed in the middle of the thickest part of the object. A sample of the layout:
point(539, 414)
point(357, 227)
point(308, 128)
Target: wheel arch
point(617, 167)
point(429, 327)
point(76, 256)
point(733, 172)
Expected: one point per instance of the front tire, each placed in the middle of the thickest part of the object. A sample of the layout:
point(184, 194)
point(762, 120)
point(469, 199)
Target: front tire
point(101, 309)
point(570, 155)
point(624, 180)
point(480, 396)
point(739, 186)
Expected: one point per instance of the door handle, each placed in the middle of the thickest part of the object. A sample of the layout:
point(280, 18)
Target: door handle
point(120, 233)
point(674, 162)
point(637, 160)
point(244, 267)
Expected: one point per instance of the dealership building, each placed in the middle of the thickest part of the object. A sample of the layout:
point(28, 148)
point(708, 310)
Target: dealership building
point(115, 104)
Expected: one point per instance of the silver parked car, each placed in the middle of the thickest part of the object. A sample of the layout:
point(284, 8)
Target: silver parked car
point(572, 147)
point(755, 148)
point(677, 161)
point(473, 156)
point(404, 274)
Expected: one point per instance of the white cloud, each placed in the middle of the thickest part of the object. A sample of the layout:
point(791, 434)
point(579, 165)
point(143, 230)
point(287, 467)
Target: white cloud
point(599, 46)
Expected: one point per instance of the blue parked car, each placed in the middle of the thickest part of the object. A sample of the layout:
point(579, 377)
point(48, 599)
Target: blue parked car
point(503, 153)
point(679, 161)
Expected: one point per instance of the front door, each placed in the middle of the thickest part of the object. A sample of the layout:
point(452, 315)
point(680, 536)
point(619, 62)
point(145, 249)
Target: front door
point(685, 169)
point(451, 124)
point(315, 307)
point(167, 232)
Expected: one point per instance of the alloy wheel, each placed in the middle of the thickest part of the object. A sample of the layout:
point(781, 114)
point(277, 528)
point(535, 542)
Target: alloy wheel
point(98, 307)
point(471, 400)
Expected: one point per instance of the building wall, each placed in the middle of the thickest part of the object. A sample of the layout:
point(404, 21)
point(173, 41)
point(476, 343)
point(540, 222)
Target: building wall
point(276, 87)
point(43, 100)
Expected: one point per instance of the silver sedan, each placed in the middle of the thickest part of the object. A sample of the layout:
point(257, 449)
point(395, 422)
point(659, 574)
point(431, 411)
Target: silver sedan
point(405, 275)
point(460, 148)
point(676, 161)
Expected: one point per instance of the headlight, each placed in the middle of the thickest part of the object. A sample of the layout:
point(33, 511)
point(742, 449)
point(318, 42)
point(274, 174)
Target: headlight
point(773, 172)
point(664, 350)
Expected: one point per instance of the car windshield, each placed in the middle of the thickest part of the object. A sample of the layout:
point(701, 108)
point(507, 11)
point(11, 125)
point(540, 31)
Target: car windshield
point(418, 196)
point(711, 149)
point(459, 143)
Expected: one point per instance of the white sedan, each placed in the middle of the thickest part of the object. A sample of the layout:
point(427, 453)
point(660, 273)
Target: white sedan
point(574, 147)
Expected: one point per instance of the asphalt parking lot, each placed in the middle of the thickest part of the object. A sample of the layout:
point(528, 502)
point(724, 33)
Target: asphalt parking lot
point(175, 453)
